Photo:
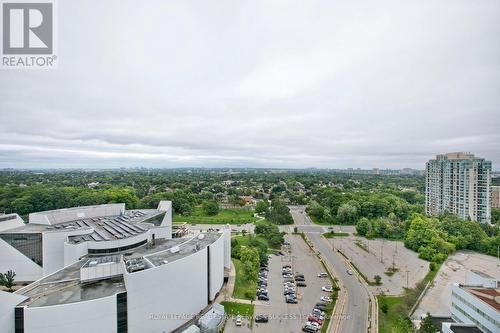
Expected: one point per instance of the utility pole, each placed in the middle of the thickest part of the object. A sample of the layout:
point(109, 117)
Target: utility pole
point(393, 266)
point(407, 279)
point(382, 251)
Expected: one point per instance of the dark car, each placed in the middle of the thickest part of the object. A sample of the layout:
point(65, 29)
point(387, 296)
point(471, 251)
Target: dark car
point(299, 278)
point(262, 297)
point(301, 284)
point(261, 319)
point(291, 300)
point(299, 275)
point(320, 307)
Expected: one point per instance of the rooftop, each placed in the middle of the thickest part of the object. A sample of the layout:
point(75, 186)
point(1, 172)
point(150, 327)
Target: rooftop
point(489, 296)
point(65, 285)
point(131, 223)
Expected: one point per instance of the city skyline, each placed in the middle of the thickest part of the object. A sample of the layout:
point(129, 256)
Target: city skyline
point(233, 85)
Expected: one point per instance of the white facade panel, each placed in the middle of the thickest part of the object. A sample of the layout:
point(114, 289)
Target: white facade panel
point(216, 266)
point(25, 268)
point(93, 316)
point(8, 302)
point(163, 298)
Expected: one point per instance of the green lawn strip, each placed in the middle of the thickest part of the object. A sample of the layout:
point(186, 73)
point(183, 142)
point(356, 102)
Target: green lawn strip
point(225, 216)
point(361, 245)
point(399, 306)
point(387, 321)
point(234, 309)
point(335, 234)
point(243, 240)
point(243, 288)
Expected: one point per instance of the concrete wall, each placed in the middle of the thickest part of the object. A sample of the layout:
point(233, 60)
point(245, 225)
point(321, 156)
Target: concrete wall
point(216, 266)
point(162, 298)
point(93, 316)
point(75, 213)
point(166, 206)
point(11, 259)
point(53, 248)
point(11, 224)
point(8, 302)
point(227, 246)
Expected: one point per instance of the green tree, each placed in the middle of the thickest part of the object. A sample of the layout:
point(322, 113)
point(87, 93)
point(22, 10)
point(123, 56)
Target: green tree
point(363, 226)
point(426, 325)
point(249, 257)
point(210, 208)
point(7, 280)
point(279, 213)
point(262, 206)
point(347, 214)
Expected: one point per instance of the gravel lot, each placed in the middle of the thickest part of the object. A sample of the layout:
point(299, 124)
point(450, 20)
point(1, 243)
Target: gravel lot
point(437, 300)
point(370, 264)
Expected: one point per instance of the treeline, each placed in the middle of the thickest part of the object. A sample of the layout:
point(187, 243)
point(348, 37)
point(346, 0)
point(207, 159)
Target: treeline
point(347, 207)
point(434, 238)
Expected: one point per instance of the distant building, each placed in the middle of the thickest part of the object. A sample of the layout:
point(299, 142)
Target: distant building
point(495, 197)
point(476, 304)
point(249, 200)
point(459, 183)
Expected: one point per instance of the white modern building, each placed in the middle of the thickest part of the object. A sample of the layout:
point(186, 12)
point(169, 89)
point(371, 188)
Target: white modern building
point(107, 269)
point(476, 304)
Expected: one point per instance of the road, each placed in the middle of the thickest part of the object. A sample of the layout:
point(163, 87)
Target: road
point(356, 306)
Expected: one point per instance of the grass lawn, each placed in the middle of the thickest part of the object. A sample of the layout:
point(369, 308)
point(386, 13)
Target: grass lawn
point(243, 289)
point(335, 234)
point(387, 321)
point(243, 240)
point(225, 216)
point(234, 309)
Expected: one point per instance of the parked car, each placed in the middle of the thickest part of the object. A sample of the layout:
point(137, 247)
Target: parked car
point(301, 284)
point(299, 278)
point(261, 318)
point(328, 289)
point(291, 299)
point(309, 329)
point(263, 298)
point(238, 320)
point(322, 275)
point(349, 272)
point(315, 320)
point(327, 299)
point(320, 307)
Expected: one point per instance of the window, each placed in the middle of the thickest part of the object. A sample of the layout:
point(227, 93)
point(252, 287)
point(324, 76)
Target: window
point(29, 244)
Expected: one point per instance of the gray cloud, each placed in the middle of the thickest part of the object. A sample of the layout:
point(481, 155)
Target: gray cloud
point(259, 83)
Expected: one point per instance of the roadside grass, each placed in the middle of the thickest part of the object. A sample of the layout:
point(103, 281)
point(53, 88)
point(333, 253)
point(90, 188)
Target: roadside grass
point(387, 321)
point(243, 288)
point(399, 306)
point(361, 245)
point(332, 234)
point(234, 309)
point(225, 216)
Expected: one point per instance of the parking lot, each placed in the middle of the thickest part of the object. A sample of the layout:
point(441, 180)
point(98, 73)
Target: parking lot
point(369, 261)
point(437, 300)
point(284, 317)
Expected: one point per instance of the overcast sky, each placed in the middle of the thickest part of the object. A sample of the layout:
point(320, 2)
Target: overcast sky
point(294, 84)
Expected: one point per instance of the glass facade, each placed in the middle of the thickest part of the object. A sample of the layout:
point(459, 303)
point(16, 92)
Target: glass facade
point(155, 220)
point(121, 312)
point(117, 249)
point(29, 244)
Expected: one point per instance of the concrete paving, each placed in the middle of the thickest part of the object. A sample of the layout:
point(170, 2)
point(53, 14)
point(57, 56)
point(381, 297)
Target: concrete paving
point(437, 300)
point(378, 257)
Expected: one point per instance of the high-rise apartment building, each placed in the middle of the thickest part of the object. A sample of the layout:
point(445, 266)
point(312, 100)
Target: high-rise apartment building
point(495, 197)
point(459, 183)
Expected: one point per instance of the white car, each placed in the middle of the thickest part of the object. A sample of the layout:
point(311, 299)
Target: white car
point(349, 272)
point(238, 320)
point(327, 299)
point(322, 275)
point(328, 289)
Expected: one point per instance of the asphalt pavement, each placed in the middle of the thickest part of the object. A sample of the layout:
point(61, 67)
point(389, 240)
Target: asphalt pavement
point(355, 312)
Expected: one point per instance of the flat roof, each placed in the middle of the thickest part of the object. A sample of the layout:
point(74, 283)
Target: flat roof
point(490, 296)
